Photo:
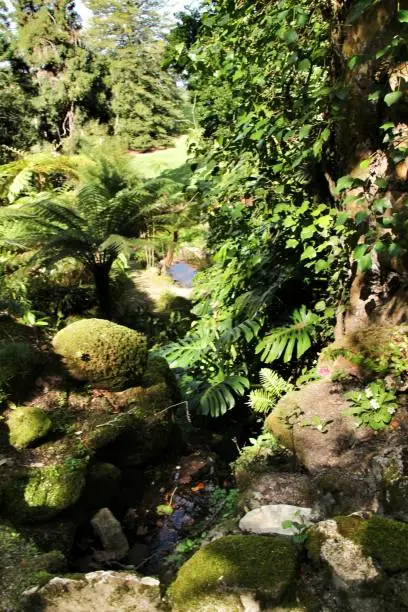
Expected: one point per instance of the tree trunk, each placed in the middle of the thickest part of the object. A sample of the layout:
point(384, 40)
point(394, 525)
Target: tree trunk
point(102, 286)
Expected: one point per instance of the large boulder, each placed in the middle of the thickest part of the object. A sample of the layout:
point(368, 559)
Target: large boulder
point(311, 422)
point(232, 567)
point(107, 355)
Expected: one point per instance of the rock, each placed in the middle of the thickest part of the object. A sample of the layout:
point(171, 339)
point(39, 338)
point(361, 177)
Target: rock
point(194, 466)
point(348, 564)
point(109, 530)
point(269, 519)
point(26, 425)
point(103, 590)
point(218, 574)
point(314, 449)
point(108, 355)
point(277, 488)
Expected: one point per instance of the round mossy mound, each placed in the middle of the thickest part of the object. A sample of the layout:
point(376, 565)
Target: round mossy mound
point(108, 355)
point(260, 564)
point(27, 424)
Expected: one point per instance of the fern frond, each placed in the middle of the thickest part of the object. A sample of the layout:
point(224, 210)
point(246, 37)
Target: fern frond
point(260, 401)
point(273, 383)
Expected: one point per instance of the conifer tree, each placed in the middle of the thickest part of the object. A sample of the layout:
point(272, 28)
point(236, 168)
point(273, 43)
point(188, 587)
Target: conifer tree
point(146, 102)
point(66, 78)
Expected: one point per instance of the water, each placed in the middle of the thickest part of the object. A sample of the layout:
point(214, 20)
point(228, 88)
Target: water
point(182, 273)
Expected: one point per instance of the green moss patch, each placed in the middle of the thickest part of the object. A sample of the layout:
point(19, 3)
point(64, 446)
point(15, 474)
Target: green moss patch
point(41, 493)
point(27, 424)
point(261, 564)
point(107, 355)
point(383, 539)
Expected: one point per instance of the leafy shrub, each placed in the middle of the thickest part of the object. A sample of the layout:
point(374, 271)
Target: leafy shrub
point(104, 353)
point(27, 424)
point(373, 407)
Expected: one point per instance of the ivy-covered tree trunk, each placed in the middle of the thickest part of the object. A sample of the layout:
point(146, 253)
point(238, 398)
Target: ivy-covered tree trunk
point(102, 285)
point(371, 149)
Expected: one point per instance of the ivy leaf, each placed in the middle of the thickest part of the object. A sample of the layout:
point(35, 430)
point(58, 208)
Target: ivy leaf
point(365, 164)
point(365, 263)
point(292, 243)
point(304, 65)
point(393, 97)
point(345, 182)
point(403, 16)
point(291, 36)
point(308, 253)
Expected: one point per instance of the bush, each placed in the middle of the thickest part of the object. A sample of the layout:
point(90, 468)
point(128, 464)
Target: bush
point(104, 353)
point(27, 424)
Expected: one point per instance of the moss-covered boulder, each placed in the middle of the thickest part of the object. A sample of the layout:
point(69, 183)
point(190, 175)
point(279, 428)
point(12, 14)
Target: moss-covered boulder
point(40, 493)
point(216, 575)
point(27, 424)
point(383, 539)
point(22, 566)
point(107, 355)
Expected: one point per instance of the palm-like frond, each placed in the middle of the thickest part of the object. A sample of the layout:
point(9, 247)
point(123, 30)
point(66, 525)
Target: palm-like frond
point(286, 340)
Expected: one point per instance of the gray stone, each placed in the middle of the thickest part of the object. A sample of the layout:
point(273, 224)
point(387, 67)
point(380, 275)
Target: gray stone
point(107, 591)
point(277, 488)
point(109, 530)
point(349, 567)
point(269, 519)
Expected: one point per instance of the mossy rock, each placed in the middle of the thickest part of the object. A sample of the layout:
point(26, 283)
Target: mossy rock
point(36, 494)
point(235, 564)
point(140, 433)
point(17, 365)
point(27, 424)
point(107, 355)
point(383, 539)
point(23, 566)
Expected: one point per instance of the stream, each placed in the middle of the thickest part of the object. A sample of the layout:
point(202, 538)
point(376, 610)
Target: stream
point(182, 273)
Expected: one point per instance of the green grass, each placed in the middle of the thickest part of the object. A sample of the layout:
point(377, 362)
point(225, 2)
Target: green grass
point(150, 165)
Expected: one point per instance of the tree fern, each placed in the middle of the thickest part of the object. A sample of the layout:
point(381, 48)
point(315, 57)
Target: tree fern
point(289, 340)
point(273, 386)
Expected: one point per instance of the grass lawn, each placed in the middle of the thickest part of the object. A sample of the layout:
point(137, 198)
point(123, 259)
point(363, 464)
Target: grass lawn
point(150, 165)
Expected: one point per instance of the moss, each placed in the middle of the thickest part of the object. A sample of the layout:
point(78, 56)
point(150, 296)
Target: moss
point(285, 415)
point(264, 565)
point(157, 371)
point(27, 424)
point(41, 493)
point(314, 543)
point(105, 354)
point(22, 566)
point(383, 539)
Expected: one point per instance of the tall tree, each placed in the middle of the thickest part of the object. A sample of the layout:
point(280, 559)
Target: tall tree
point(146, 101)
point(66, 77)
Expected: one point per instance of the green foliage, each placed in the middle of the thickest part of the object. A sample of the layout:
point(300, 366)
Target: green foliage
point(373, 407)
point(273, 387)
point(282, 341)
point(26, 425)
point(104, 353)
point(260, 80)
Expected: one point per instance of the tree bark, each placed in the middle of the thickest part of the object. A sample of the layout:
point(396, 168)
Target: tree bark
point(102, 286)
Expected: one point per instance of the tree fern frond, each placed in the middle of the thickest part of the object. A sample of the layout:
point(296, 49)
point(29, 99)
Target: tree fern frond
point(260, 401)
point(273, 387)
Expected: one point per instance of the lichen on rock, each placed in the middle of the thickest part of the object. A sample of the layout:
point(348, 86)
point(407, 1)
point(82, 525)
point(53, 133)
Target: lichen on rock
point(103, 353)
point(230, 566)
